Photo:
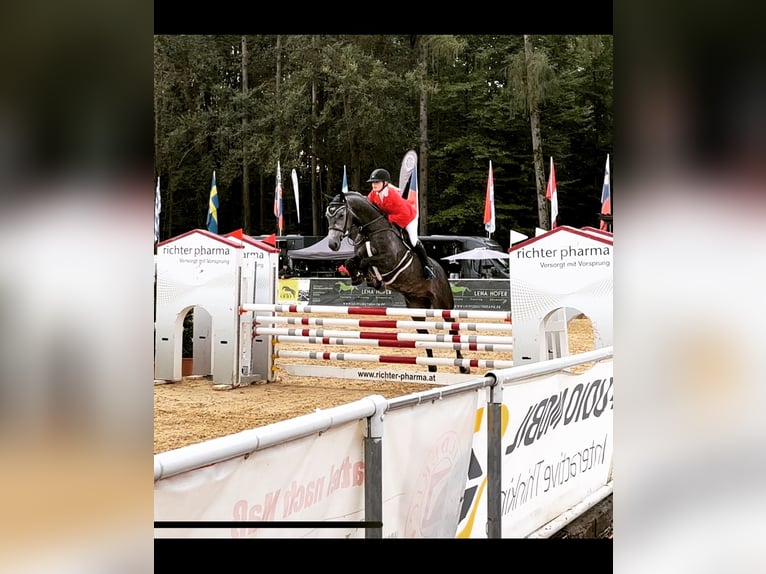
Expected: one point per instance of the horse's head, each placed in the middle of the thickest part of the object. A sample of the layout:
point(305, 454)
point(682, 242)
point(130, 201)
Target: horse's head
point(338, 221)
point(350, 213)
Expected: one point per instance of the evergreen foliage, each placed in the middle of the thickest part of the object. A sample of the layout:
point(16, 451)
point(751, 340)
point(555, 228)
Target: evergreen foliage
point(356, 101)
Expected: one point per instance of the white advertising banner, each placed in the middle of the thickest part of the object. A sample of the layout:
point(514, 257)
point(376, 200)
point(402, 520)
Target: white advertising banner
point(197, 270)
point(315, 478)
point(565, 268)
point(557, 445)
point(430, 447)
point(193, 262)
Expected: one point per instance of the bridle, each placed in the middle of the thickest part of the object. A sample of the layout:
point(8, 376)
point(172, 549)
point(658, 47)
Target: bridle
point(332, 212)
point(362, 229)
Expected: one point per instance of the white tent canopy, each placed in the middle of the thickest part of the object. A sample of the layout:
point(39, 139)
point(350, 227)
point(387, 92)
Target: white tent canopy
point(479, 253)
point(321, 251)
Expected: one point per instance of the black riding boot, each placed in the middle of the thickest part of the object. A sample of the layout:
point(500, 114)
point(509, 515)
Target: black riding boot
point(420, 251)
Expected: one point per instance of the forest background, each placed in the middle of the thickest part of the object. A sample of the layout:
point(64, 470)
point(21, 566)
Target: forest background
point(319, 104)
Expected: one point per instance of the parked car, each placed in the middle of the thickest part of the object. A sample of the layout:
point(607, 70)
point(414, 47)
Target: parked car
point(440, 246)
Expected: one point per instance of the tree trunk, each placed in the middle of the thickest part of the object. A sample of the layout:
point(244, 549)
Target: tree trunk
point(537, 150)
point(245, 167)
point(279, 63)
point(262, 202)
point(422, 165)
point(316, 206)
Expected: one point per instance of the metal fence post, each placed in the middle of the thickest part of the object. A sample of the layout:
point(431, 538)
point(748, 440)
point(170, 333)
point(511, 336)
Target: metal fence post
point(373, 468)
point(494, 460)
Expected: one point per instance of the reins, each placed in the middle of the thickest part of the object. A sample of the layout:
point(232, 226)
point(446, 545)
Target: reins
point(365, 231)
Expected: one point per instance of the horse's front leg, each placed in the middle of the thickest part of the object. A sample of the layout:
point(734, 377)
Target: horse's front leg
point(366, 270)
point(354, 267)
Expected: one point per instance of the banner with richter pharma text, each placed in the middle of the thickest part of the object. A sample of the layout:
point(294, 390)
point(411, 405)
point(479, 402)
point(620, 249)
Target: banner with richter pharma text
point(319, 477)
point(426, 449)
point(557, 445)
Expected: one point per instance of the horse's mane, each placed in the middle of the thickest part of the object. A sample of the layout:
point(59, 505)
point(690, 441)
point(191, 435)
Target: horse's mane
point(360, 199)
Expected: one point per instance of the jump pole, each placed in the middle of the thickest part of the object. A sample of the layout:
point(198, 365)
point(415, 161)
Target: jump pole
point(266, 314)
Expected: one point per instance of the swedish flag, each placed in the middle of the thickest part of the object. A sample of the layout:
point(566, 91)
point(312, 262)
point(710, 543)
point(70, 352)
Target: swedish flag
point(212, 213)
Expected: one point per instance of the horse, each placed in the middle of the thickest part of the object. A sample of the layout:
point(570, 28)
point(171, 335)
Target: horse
point(384, 258)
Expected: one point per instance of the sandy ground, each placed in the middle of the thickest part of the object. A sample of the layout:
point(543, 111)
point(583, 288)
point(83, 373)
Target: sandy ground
point(191, 411)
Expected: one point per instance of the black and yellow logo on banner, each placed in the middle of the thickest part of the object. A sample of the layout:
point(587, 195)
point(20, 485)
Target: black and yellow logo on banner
point(288, 291)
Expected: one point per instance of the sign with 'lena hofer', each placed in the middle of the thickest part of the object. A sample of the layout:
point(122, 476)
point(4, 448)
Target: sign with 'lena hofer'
point(478, 294)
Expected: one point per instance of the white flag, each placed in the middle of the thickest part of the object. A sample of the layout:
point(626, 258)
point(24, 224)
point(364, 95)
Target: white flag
point(157, 208)
point(294, 177)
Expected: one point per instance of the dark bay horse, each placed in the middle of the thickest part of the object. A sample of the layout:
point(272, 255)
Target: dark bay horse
point(385, 260)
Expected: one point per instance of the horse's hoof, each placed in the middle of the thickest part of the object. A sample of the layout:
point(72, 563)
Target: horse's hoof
point(465, 370)
point(431, 368)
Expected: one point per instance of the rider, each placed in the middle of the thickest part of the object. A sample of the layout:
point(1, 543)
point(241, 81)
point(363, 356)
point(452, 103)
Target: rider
point(400, 212)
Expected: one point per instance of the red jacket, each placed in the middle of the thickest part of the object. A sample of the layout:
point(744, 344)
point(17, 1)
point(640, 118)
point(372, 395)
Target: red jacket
point(390, 200)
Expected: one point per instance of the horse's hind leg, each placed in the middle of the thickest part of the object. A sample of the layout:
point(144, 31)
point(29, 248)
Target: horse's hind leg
point(429, 352)
point(458, 354)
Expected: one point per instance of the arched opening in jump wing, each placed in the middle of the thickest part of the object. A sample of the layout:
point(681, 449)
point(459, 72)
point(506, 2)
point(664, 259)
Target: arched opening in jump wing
point(569, 331)
point(196, 343)
point(580, 332)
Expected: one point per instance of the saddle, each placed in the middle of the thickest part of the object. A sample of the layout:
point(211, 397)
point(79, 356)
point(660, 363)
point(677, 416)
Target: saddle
point(403, 235)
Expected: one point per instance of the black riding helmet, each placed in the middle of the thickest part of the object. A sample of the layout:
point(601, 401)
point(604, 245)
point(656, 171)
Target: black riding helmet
point(379, 175)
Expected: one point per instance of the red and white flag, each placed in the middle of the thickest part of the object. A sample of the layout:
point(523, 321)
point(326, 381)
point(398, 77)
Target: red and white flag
point(489, 204)
point(412, 195)
point(552, 196)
